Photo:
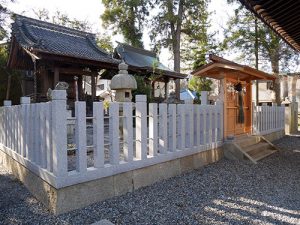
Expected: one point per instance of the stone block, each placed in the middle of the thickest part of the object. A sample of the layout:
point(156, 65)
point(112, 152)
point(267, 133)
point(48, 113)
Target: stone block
point(186, 164)
point(123, 183)
point(151, 174)
point(83, 194)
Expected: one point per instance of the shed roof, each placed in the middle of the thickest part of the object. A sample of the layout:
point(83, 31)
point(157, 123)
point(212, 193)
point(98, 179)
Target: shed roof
point(280, 15)
point(38, 37)
point(219, 65)
point(143, 59)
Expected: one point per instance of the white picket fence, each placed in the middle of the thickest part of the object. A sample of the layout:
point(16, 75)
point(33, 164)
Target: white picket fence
point(130, 136)
point(268, 119)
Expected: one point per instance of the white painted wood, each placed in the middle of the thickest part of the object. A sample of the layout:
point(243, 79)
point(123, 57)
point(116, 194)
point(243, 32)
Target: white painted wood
point(27, 131)
point(204, 113)
point(163, 128)
point(19, 127)
point(181, 126)
point(203, 97)
point(114, 151)
point(216, 128)
point(37, 136)
point(172, 137)
point(98, 134)
point(191, 125)
point(13, 127)
point(198, 125)
point(153, 129)
point(80, 137)
point(210, 137)
point(59, 133)
point(128, 131)
point(48, 136)
point(43, 149)
point(30, 132)
point(141, 127)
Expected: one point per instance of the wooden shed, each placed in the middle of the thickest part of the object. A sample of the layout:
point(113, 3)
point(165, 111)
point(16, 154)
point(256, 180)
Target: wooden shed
point(235, 92)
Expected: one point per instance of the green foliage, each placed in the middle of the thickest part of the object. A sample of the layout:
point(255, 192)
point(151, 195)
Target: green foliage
point(240, 38)
point(16, 87)
point(182, 26)
point(63, 20)
point(105, 43)
point(106, 104)
point(127, 18)
point(4, 13)
point(143, 87)
point(199, 84)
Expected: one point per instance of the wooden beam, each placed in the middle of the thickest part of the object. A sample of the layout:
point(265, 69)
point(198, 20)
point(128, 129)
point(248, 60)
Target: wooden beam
point(76, 71)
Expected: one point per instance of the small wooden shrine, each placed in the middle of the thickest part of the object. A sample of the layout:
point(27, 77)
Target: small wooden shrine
point(235, 92)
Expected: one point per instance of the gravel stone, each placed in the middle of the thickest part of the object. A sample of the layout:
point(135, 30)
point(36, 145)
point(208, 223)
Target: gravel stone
point(226, 192)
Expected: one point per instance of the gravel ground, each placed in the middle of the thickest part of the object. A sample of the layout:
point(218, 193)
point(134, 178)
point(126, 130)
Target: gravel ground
point(222, 193)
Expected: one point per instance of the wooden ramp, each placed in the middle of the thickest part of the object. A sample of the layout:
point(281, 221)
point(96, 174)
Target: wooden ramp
point(249, 147)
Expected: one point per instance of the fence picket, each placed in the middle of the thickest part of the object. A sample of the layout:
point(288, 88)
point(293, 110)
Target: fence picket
point(98, 134)
point(80, 137)
point(153, 129)
point(114, 151)
point(181, 126)
point(172, 127)
point(163, 128)
point(141, 127)
point(128, 131)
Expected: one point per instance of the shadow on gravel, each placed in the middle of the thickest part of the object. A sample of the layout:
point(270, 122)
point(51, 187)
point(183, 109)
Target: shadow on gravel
point(226, 192)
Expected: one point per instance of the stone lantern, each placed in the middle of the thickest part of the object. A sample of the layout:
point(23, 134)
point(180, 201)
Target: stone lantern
point(123, 83)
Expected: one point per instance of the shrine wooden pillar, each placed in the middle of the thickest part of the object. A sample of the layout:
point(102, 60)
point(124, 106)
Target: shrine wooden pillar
point(93, 77)
point(44, 76)
point(56, 76)
point(80, 90)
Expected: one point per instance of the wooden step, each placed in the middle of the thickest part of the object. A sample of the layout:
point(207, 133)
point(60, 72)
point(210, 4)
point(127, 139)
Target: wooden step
point(263, 154)
point(253, 149)
point(247, 141)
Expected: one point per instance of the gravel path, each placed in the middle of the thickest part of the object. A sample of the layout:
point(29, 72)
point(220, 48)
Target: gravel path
point(222, 193)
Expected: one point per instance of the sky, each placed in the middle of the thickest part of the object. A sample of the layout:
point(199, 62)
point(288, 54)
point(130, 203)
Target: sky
point(91, 10)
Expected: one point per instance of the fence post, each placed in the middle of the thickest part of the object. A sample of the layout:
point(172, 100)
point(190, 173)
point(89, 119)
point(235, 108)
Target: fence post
point(59, 133)
point(163, 128)
point(198, 125)
point(114, 135)
point(203, 97)
point(128, 131)
point(153, 129)
point(254, 119)
point(25, 101)
point(98, 134)
point(191, 123)
point(181, 126)
point(141, 126)
point(172, 127)
point(7, 104)
point(80, 137)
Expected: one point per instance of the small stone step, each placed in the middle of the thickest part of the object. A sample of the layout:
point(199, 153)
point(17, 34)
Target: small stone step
point(263, 154)
point(256, 148)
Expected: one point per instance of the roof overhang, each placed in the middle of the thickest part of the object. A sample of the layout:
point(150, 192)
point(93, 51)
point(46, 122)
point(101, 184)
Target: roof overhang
point(221, 68)
point(282, 16)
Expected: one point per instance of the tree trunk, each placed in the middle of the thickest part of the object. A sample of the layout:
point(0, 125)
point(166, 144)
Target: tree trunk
point(176, 47)
point(256, 61)
point(275, 70)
